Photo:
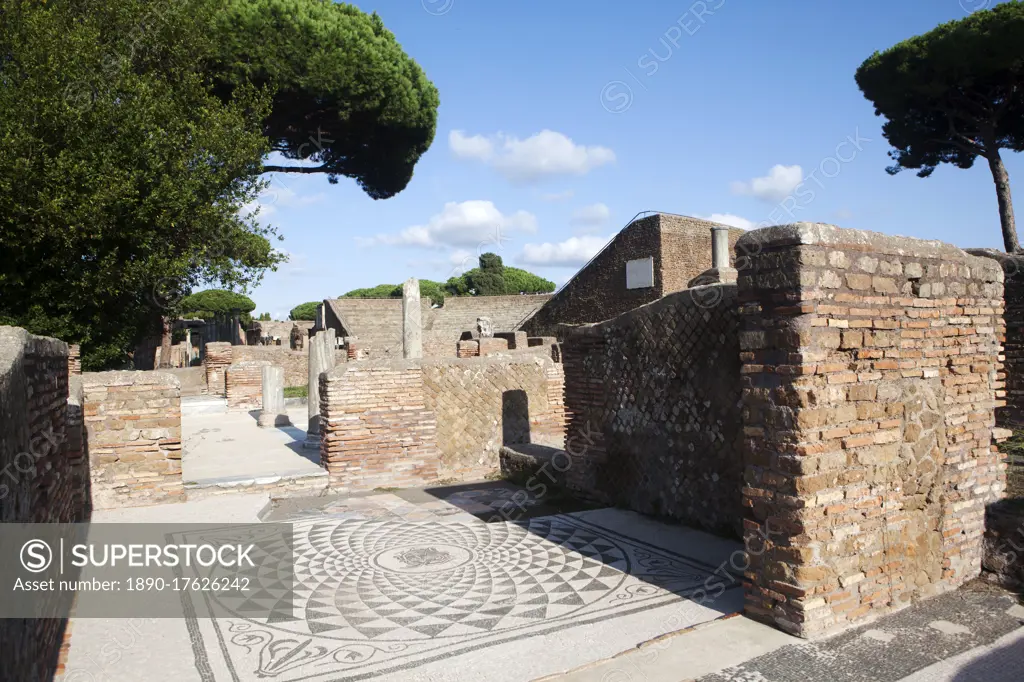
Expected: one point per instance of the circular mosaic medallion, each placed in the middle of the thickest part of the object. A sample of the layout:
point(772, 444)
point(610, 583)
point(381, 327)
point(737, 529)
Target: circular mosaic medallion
point(428, 558)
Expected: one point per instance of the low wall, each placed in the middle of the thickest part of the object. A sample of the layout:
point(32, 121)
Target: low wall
point(376, 429)
point(244, 384)
point(409, 422)
point(870, 368)
point(41, 460)
point(653, 403)
point(133, 422)
point(294, 362)
point(481, 404)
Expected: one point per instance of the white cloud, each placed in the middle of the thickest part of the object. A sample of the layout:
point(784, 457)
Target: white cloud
point(844, 214)
point(467, 224)
point(547, 153)
point(573, 251)
point(590, 216)
point(776, 186)
point(731, 220)
point(558, 196)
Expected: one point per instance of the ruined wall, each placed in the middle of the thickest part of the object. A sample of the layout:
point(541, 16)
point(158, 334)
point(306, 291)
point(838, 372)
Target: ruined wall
point(870, 366)
point(377, 322)
point(244, 384)
point(217, 357)
point(40, 482)
point(376, 430)
point(294, 362)
point(652, 398)
point(133, 424)
point(481, 404)
point(680, 247)
point(404, 423)
point(1012, 414)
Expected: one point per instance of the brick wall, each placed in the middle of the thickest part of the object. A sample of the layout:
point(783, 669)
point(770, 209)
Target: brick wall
point(244, 384)
point(376, 430)
point(870, 366)
point(133, 424)
point(1012, 414)
point(652, 398)
point(482, 403)
point(377, 323)
point(42, 481)
point(680, 247)
point(217, 358)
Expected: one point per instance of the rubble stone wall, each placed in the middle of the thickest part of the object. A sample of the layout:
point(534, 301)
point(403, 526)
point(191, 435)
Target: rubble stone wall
point(133, 425)
point(870, 372)
point(654, 420)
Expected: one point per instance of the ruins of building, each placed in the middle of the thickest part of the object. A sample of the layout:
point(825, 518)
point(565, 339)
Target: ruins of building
point(653, 256)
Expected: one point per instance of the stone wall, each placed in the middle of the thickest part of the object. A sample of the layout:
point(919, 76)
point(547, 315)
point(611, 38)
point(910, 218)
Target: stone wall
point(133, 425)
point(294, 362)
point(481, 404)
point(870, 366)
point(376, 429)
point(1012, 414)
point(377, 323)
point(652, 398)
point(217, 357)
point(680, 247)
point(42, 481)
point(244, 384)
point(400, 423)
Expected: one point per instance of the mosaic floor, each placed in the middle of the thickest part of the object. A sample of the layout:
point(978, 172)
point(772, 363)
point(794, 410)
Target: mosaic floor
point(388, 588)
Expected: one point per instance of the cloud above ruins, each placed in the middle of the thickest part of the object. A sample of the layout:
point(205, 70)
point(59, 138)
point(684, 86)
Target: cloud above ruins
point(776, 186)
point(574, 251)
point(468, 224)
point(594, 215)
point(731, 220)
point(543, 155)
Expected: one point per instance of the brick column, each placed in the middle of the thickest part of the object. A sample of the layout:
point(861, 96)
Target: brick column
point(870, 367)
point(244, 384)
point(218, 358)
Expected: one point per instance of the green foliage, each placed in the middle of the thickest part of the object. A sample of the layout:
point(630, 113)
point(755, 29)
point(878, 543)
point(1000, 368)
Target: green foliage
point(491, 261)
point(215, 303)
point(264, 317)
point(345, 94)
point(304, 311)
point(428, 289)
point(520, 281)
point(953, 94)
point(121, 172)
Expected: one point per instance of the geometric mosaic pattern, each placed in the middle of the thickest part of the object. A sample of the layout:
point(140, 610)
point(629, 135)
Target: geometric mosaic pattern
point(383, 595)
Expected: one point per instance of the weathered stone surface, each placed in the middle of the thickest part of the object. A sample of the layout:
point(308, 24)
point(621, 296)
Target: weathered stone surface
point(653, 404)
point(321, 359)
point(133, 421)
point(273, 412)
point(869, 415)
point(412, 324)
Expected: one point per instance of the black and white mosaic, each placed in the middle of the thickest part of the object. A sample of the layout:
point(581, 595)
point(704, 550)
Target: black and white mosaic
point(380, 595)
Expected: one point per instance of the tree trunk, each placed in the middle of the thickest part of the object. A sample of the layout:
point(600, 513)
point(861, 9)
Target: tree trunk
point(1002, 180)
point(165, 343)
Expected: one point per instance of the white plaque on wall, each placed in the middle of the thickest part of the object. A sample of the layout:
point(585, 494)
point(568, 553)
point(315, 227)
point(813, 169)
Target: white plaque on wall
point(640, 273)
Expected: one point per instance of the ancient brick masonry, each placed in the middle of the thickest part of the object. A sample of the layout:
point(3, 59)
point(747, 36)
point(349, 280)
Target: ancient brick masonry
point(41, 463)
point(870, 372)
point(653, 403)
point(217, 359)
point(376, 428)
point(244, 385)
point(133, 420)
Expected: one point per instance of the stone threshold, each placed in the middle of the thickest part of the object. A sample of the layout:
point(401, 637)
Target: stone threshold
point(280, 485)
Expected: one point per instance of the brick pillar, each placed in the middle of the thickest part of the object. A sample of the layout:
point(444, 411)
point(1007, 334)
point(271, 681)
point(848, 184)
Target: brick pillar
point(218, 358)
point(244, 384)
point(870, 367)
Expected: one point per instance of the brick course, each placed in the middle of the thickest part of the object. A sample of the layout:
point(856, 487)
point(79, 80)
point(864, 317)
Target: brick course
point(870, 366)
point(133, 424)
point(217, 358)
point(244, 384)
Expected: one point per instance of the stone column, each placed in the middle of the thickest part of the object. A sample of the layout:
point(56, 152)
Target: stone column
point(274, 412)
point(720, 247)
point(321, 359)
point(412, 326)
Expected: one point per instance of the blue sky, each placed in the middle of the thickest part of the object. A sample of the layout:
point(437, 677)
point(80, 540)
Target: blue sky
point(559, 121)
